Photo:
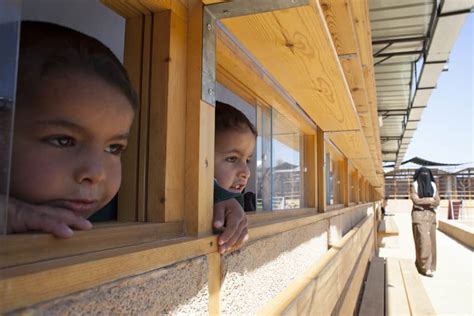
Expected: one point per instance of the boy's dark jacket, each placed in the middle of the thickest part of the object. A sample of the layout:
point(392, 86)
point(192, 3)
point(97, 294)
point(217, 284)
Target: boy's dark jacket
point(247, 200)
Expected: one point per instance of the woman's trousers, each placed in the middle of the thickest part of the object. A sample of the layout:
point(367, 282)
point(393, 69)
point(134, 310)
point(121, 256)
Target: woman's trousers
point(424, 234)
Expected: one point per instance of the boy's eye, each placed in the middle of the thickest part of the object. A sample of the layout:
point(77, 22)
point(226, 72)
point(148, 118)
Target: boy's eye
point(61, 141)
point(115, 149)
point(248, 160)
point(231, 159)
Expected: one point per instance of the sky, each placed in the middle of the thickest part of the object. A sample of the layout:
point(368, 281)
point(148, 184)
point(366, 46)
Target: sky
point(446, 132)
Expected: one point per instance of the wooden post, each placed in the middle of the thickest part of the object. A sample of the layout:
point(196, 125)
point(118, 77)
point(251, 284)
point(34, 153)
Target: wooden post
point(355, 182)
point(199, 153)
point(167, 116)
point(310, 178)
point(321, 173)
point(136, 61)
point(345, 182)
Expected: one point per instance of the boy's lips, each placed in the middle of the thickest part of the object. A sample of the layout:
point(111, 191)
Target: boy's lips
point(78, 206)
point(237, 187)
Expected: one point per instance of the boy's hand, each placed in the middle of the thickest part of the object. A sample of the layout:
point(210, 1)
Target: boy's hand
point(230, 217)
point(23, 217)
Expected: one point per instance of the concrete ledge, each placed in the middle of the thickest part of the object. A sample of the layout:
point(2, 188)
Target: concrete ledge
point(458, 231)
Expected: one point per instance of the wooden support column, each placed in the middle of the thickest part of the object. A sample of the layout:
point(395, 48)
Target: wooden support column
point(199, 153)
point(131, 202)
point(321, 170)
point(153, 165)
point(355, 183)
point(345, 182)
point(166, 150)
point(310, 173)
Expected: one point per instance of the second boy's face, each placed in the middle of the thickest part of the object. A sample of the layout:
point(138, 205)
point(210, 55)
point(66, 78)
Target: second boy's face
point(68, 141)
point(233, 151)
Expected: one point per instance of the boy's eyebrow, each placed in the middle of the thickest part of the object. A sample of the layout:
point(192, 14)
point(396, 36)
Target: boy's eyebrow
point(121, 136)
point(74, 126)
point(236, 151)
point(61, 123)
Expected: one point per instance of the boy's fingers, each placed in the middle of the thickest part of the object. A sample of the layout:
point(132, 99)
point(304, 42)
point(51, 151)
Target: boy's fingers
point(231, 229)
point(244, 236)
point(235, 239)
point(219, 215)
point(67, 217)
point(42, 221)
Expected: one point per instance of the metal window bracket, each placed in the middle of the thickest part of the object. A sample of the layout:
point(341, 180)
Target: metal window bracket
point(214, 12)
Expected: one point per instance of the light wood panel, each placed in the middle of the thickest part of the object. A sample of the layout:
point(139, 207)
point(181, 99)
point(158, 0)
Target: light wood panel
point(134, 8)
point(354, 284)
point(295, 47)
point(128, 194)
point(345, 182)
point(215, 281)
point(360, 13)
point(321, 170)
point(309, 163)
point(143, 127)
point(396, 302)
point(240, 74)
point(166, 148)
point(420, 303)
point(341, 24)
point(21, 249)
point(199, 152)
point(33, 283)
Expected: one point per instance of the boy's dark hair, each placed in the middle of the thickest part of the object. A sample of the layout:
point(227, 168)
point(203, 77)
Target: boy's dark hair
point(229, 118)
point(47, 47)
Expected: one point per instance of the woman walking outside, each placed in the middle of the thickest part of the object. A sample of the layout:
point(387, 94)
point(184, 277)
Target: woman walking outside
point(425, 201)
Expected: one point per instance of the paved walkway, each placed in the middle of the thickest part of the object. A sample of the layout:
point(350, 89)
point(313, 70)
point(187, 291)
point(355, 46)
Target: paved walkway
point(451, 289)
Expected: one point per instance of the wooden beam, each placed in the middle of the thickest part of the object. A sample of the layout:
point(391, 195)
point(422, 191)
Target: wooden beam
point(134, 8)
point(131, 202)
point(199, 161)
point(345, 182)
point(295, 47)
point(244, 77)
point(166, 148)
point(321, 170)
point(33, 283)
point(310, 163)
point(215, 281)
point(20, 249)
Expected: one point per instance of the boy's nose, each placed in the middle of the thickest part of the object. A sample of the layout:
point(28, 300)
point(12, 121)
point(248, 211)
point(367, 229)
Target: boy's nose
point(244, 172)
point(91, 170)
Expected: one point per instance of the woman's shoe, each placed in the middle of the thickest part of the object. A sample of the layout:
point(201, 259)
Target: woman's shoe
point(429, 273)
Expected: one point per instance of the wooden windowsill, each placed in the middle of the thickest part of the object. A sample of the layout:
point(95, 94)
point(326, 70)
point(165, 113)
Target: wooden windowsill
point(19, 249)
point(334, 207)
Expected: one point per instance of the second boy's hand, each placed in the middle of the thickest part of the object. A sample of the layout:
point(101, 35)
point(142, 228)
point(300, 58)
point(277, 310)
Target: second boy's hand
point(230, 218)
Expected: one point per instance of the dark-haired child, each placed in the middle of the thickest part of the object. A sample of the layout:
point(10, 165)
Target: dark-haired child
point(74, 110)
point(235, 138)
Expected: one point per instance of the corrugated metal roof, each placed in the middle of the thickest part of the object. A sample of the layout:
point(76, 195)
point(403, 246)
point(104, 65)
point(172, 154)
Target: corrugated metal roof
point(411, 42)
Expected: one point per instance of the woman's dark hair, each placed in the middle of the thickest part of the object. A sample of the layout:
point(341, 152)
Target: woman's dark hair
point(47, 48)
point(424, 177)
point(229, 118)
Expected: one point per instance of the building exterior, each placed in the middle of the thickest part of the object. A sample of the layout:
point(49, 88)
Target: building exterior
point(303, 72)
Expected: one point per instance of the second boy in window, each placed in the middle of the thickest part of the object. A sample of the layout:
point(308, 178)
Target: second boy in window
point(235, 140)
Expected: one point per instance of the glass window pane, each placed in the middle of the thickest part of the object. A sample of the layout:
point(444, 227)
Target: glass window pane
point(287, 171)
point(263, 156)
point(9, 36)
